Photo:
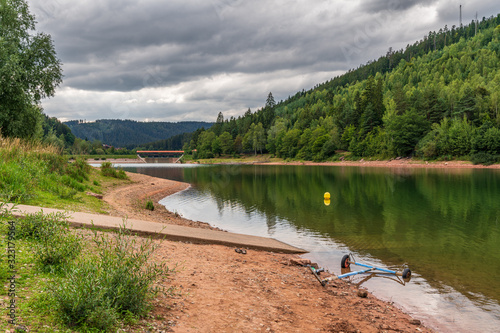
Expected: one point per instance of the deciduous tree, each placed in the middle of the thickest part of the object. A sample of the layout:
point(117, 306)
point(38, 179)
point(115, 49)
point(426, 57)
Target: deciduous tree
point(29, 70)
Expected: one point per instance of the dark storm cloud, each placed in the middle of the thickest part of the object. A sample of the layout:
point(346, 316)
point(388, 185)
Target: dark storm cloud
point(166, 59)
point(376, 6)
point(133, 45)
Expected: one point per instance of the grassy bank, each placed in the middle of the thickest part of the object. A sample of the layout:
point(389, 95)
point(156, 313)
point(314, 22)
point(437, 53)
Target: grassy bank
point(36, 174)
point(62, 279)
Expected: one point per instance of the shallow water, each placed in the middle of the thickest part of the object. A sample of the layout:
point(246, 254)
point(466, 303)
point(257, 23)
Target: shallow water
point(444, 224)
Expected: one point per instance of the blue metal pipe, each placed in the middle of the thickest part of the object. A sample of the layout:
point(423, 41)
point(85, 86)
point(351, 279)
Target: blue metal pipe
point(377, 268)
point(355, 273)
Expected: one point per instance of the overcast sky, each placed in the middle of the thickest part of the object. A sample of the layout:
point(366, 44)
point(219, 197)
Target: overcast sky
point(176, 60)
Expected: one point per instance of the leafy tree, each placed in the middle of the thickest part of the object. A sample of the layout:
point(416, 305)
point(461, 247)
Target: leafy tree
point(259, 141)
point(405, 131)
point(467, 105)
point(255, 139)
point(290, 144)
point(369, 120)
point(304, 145)
point(217, 146)
point(275, 136)
point(205, 144)
point(348, 136)
point(226, 142)
point(400, 98)
point(487, 140)
point(238, 144)
point(29, 70)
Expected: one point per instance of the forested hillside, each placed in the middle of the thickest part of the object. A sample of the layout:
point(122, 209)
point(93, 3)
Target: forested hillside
point(122, 133)
point(438, 98)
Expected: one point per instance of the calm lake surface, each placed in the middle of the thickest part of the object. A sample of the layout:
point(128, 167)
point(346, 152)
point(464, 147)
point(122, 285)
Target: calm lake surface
point(443, 223)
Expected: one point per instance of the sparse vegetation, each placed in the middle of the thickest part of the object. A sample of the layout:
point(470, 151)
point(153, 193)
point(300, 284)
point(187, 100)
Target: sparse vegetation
point(115, 281)
point(108, 171)
point(149, 205)
point(54, 246)
point(91, 283)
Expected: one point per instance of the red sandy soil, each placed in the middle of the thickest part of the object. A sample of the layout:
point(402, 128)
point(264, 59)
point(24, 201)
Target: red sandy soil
point(398, 163)
point(219, 290)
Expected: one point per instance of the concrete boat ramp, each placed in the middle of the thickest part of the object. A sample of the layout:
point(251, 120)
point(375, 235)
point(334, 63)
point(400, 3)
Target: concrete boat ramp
point(167, 231)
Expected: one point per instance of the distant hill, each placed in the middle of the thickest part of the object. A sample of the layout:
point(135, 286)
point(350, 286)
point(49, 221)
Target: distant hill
point(122, 133)
point(437, 99)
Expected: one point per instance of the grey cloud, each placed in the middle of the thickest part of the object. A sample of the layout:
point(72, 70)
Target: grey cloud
point(204, 43)
point(449, 11)
point(376, 6)
point(282, 46)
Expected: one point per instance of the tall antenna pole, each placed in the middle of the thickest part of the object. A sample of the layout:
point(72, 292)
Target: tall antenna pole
point(476, 25)
point(460, 16)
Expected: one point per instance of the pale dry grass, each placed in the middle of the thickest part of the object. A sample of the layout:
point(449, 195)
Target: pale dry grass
point(11, 148)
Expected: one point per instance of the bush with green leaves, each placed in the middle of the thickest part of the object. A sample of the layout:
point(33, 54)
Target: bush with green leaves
point(485, 158)
point(116, 281)
point(149, 205)
point(107, 170)
point(79, 170)
point(54, 246)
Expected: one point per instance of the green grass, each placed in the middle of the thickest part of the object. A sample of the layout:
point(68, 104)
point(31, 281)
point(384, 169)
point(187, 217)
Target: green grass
point(37, 174)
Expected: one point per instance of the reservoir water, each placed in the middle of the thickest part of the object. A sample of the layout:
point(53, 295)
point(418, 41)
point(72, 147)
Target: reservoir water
point(443, 223)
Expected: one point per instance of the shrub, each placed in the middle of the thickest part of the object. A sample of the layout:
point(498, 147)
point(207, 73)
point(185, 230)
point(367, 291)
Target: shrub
point(39, 226)
point(149, 205)
point(54, 245)
point(79, 170)
point(484, 158)
point(115, 282)
point(108, 171)
point(121, 174)
point(54, 253)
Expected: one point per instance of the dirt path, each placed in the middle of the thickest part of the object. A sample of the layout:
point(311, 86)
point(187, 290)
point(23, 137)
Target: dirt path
point(219, 290)
point(129, 200)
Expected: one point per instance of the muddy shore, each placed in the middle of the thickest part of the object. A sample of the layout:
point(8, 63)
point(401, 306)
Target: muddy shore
point(217, 289)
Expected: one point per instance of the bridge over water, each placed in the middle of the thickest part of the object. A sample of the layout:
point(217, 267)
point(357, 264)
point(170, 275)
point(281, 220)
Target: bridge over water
point(160, 156)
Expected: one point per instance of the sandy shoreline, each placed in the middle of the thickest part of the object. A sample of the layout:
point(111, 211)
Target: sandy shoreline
point(401, 163)
point(393, 163)
point(219, 290)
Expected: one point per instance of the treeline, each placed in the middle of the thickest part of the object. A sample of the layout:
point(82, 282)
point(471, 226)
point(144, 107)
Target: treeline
point(130, 133)
point(437, 99)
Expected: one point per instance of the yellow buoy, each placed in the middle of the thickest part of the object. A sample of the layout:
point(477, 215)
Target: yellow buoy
point(327, 202)
point(327, 195)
